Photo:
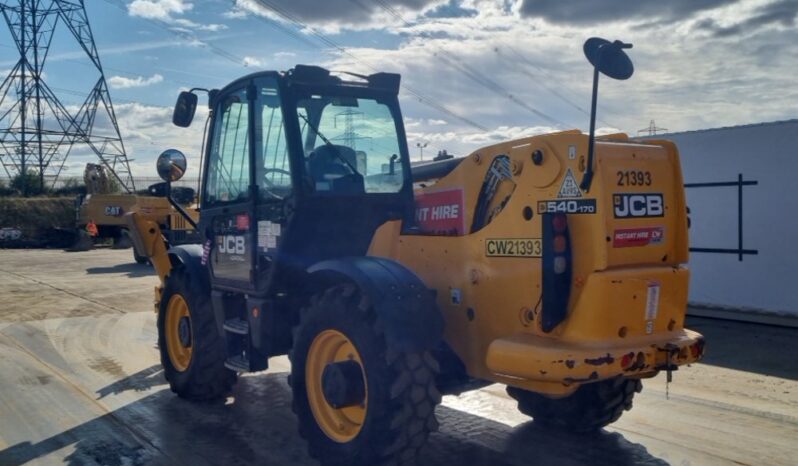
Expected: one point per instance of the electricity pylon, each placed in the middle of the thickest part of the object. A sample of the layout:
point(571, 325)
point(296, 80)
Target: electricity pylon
point(37, 131)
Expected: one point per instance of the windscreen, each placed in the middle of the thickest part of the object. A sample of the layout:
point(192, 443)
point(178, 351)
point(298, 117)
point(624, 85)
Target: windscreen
point(347, 136)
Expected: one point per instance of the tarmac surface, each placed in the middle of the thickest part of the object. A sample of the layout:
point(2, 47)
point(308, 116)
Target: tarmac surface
point(80, 383)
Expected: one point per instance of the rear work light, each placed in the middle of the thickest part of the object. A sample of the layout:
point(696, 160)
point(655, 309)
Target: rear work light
point(556, 270)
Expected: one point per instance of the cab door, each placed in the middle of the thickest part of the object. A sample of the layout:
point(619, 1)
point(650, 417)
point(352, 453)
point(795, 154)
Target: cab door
point(228, 201)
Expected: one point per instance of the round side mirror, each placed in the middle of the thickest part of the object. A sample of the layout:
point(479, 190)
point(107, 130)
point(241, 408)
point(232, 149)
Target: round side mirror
point(609, 57)
point(171, 165)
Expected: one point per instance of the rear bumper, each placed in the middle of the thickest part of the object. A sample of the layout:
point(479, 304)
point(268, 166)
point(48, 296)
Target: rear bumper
point(544, 359)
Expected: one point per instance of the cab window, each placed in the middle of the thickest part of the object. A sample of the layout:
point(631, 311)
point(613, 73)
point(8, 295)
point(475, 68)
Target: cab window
point(228, 164)
point(273, 169)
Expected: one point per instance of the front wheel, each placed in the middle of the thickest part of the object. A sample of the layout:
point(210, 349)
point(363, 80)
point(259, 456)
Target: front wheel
point(359, 401)
point(591, 407)
point(192, 352)
point(139, 258)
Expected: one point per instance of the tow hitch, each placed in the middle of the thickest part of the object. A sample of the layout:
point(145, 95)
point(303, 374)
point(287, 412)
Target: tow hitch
point(671, 352)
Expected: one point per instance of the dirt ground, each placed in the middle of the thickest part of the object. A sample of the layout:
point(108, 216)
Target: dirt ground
point(80, 383)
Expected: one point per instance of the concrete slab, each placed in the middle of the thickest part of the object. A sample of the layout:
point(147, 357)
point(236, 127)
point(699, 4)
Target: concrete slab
point(87, 388)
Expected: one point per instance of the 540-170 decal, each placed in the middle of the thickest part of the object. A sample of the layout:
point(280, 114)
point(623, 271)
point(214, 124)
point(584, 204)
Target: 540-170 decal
point(514, 247)
point(568, 206)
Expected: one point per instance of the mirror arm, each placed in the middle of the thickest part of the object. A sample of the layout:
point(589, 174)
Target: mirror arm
point(588, 178)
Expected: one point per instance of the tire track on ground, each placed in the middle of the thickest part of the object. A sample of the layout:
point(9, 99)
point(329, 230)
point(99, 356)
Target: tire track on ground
point(140, 437)
point(65, 291)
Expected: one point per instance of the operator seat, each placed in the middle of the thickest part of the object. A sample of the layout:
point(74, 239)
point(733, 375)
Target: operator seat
point(330, 173)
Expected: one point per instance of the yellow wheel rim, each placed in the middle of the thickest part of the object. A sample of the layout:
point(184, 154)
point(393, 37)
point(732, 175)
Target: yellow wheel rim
point(341, 425)
point(179, 352)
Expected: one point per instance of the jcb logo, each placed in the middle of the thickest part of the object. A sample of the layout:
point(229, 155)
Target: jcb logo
point(638, 205)
point(232, 244)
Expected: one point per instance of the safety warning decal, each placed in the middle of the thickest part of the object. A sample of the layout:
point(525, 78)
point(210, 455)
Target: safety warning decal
point(268, 233)
point(632, 237)
point(441, 212)
point(569, 187)
point(652, 301)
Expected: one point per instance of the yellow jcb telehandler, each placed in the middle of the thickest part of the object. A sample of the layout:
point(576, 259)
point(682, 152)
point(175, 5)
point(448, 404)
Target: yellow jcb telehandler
point(552, 264)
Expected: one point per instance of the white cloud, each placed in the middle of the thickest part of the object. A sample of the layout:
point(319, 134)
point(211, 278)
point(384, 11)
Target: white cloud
point(166, 10)
point(252, 62)
point(158, 9)
point(121, 82)
point(148, 130)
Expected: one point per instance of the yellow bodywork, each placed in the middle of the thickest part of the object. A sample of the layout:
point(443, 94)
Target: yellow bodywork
point(493, 324)
point(110, 209)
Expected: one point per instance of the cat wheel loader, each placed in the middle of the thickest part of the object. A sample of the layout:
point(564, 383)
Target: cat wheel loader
point(552, 264)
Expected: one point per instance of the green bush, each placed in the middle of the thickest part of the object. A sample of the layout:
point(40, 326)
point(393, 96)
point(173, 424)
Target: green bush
point(5, 190)
point(70, 187)
point(28, 183)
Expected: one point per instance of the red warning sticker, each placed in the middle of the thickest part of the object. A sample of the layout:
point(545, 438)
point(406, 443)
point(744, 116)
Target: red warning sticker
point(631, 237)
point(242, 222)
point(441, 212)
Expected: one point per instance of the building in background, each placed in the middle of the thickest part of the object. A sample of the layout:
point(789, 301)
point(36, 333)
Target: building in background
point(743, 236)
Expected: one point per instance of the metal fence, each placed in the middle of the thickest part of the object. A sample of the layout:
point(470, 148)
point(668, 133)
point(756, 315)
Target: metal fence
point(141, 183)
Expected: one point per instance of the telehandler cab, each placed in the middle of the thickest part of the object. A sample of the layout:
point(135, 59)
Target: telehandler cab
point(388, 285)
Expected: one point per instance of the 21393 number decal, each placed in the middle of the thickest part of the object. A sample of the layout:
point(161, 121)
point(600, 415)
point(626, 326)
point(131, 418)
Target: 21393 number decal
point(633, 178)
point(514, 247)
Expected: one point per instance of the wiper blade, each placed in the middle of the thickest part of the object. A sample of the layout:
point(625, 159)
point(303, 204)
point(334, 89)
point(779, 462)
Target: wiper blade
point(327, 142)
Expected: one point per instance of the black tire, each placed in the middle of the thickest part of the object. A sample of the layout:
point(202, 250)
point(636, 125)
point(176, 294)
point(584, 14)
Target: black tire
point(401, 391)
point(206, 377)
point(139, 258)
point(121, 240)
point(592, 407)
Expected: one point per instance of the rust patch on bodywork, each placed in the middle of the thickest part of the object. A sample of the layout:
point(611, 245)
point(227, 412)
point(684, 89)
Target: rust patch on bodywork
point(593, 376)
point(608, 359)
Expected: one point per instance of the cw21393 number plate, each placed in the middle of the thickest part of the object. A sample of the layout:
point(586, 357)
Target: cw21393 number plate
point(568, 206)
point(514, 247)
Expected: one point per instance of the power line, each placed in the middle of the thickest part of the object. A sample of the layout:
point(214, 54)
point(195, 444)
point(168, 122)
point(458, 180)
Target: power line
point(187, 37)
point(469, 71)
point(426, 100)
point(537, 79)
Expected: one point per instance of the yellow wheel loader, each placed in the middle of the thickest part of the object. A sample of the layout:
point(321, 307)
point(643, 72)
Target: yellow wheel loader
point(552, 264)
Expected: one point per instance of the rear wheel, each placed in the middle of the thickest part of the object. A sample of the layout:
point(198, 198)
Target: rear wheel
point(192, 352)
point(359, 401)
point(591, 407)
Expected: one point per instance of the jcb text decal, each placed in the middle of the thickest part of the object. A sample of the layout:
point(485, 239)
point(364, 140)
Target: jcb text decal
point(629, 205)
point(514, 247)
point(232, 244)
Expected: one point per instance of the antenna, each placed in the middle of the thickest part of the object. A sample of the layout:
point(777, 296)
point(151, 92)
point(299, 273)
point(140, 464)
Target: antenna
point(610, 59)
point(37, 131)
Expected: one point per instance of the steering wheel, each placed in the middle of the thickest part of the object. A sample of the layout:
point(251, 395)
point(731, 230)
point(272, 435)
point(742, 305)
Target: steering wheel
point(269, 185)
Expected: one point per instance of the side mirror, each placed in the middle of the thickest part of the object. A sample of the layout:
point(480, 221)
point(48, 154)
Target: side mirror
point(609, 57)
point(171, 165)
point(185, 108)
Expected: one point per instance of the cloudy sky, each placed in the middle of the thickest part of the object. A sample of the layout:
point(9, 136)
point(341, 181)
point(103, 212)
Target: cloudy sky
point(474, 72)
